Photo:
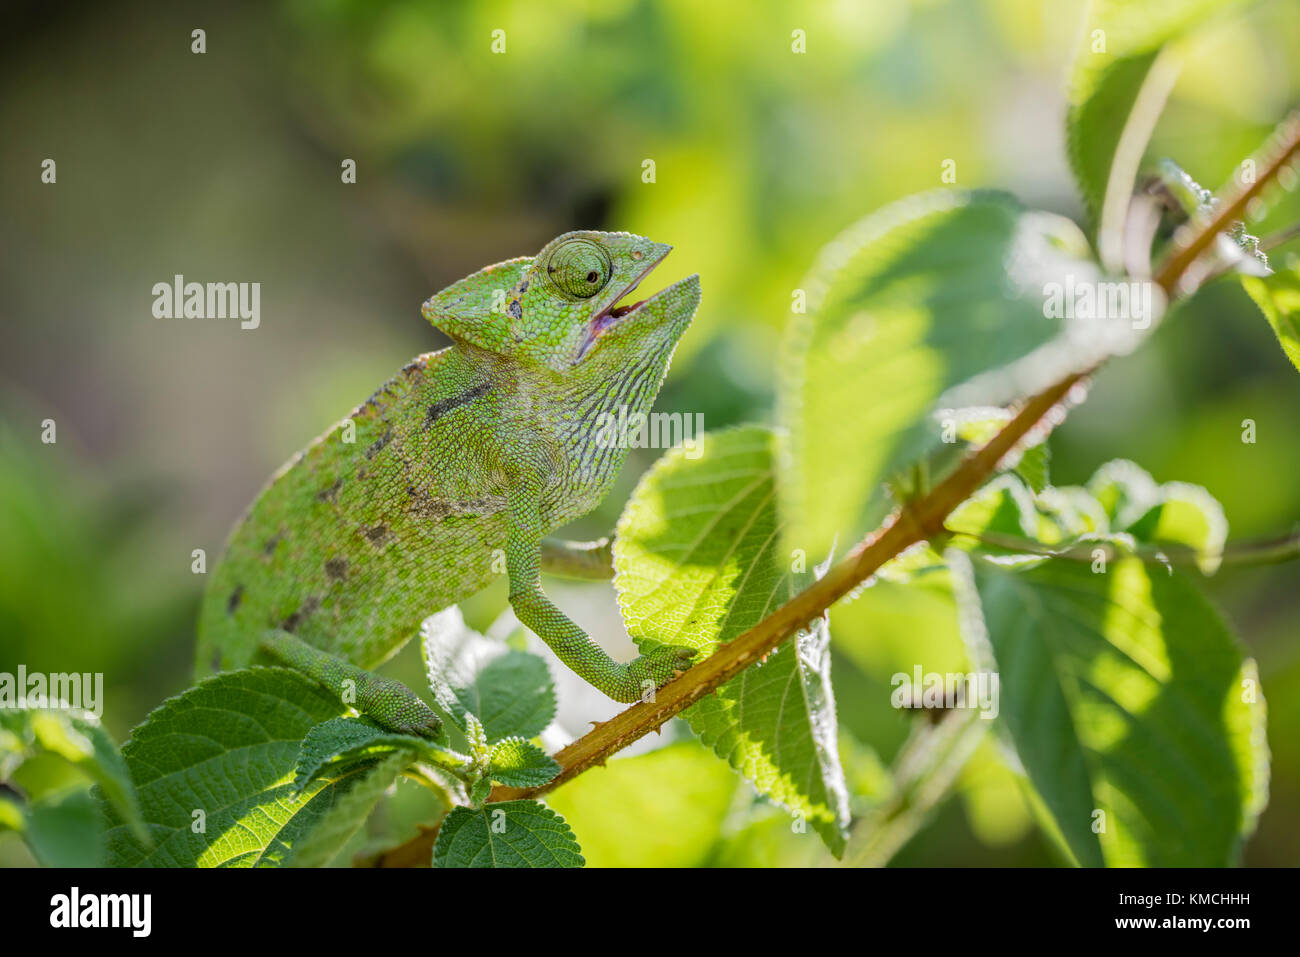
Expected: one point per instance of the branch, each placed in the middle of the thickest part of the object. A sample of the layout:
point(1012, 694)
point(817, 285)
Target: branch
point(588, 561)
point(1281, 147)
point(920, 519)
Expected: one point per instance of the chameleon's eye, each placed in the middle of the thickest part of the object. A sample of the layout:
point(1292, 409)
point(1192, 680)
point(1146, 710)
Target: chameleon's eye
point(579, 269)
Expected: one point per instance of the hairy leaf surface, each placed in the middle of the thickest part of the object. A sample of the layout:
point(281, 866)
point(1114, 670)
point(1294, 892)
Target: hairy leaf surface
point(510, 691)
point(943, 300)
point(698, 560)
point(214, 770)
point(509, 834)
point(518, 763)
point(1130, 705)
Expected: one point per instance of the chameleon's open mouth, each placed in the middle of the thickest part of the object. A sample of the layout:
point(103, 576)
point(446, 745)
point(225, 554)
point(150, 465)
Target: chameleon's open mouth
point(616, 311)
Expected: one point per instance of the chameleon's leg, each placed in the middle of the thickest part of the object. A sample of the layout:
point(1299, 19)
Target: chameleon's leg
point(593, 561)
point(384, 700)
point(622, 682)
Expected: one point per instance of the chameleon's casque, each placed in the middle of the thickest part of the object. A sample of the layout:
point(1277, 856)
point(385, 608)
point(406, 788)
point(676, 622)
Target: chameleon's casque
point(465, 456)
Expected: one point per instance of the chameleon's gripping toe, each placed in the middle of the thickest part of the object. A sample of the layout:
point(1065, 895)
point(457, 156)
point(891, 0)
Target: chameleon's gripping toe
point(654, 670)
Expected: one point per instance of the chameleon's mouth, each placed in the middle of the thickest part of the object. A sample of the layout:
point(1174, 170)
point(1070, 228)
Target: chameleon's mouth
point(617, 309)
point(618, 312)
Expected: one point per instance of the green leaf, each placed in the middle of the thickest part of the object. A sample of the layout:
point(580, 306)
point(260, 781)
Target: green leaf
point(78, 739)
point(1129, 703)
point(1072, 510)
point(66, 830)
point(1174, 514)
point(349, 811)
point(1122, 503)
point(1105, 84)
point(1005, 508)
point(214, 770)
point(1002, 507)
point(509, 690)
point(698, 560)
point(1278, 297)
point(342, 741)
point(509, 834)
point(518, 764)
point(940, 300)
point(978, 425)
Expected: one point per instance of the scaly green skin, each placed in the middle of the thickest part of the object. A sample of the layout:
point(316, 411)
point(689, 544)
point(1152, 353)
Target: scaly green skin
point(468, 456)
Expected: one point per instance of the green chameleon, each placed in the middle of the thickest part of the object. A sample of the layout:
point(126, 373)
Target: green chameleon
point(453, 472)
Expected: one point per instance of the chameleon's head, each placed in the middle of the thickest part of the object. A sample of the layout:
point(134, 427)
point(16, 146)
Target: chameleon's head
point(560, 310)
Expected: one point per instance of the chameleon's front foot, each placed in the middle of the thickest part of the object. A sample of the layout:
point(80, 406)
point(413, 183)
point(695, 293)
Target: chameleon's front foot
point(634, 681)
point(637, 680)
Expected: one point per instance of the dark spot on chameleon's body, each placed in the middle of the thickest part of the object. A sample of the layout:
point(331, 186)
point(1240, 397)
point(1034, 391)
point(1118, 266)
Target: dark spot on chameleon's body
point(269, 548)
point(377, 534)
point(426, 506)
point(330, 494)
point(336, 568)
point(432, 509)
point(523, 287)
point(549, 270)
point(309, 605)
point(443, 406)
point(378, 445)
point(514, 309)
point(236, 596)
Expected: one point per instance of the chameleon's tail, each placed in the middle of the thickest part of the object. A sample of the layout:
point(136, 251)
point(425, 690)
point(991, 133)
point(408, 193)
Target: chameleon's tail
point(384, 700)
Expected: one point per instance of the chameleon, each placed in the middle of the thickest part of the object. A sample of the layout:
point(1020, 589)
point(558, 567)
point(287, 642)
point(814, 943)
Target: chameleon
point(453, 471)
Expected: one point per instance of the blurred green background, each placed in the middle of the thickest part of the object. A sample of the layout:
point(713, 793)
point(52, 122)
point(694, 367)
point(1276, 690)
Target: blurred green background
point(226, 167)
